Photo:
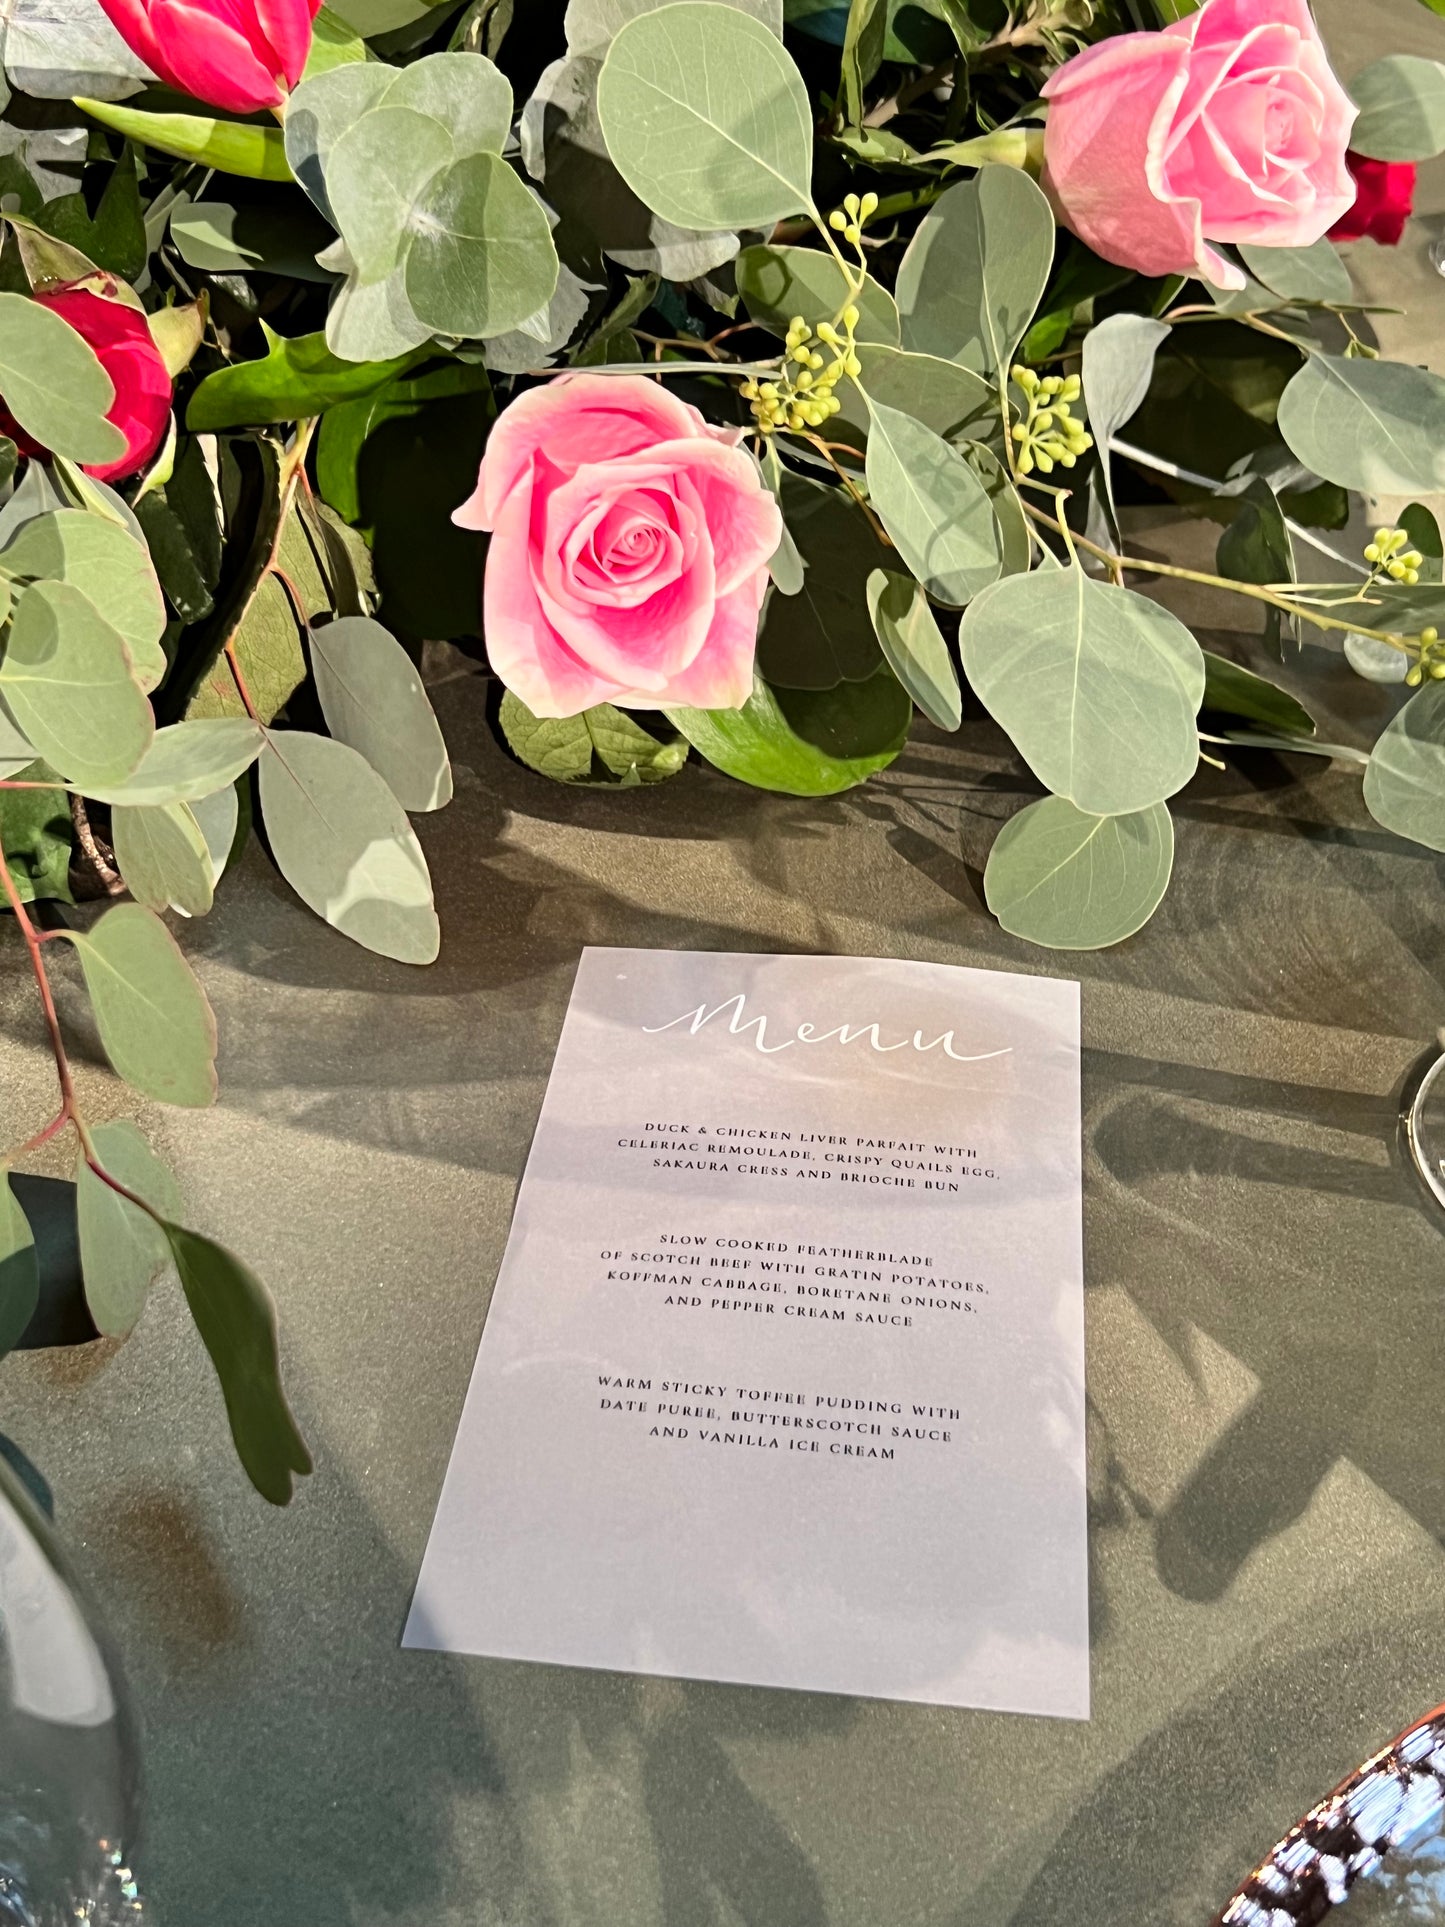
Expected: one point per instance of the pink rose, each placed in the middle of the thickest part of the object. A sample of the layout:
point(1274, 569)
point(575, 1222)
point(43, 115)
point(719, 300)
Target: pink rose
point(242, 55)
point(1228, 125)
point(629, 552)
point(124, 348)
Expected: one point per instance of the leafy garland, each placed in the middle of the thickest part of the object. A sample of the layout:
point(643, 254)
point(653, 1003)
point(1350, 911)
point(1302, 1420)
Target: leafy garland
point(865, 280)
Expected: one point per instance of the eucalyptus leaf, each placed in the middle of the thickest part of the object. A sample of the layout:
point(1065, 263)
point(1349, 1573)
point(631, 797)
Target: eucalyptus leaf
point(1232, 690)
point(334, 43)
point(53, 383)
point(1256, 546)
point(466, 92)
point(864, 39)
point(1374, 660)
point(162, 855)
point(777, 283)
point(706, 117)
point(372, 698)
point(122, 1248)
point(592, 24)
point(1097, 686)
point(152, 1015)
point(55, 49)
point(1373, 426)
point(933, 505)
point(68, 682)
point(951, 400)
point(482, 259)
point(229, 146)
point(1420, 525)
point(975, 270)
point(342, 842)
point(220, 237)
point(1315, 273)
point(1402, 109)
point(1405, 777)
point(375, 177)
point(1058, 877)
point(187, 761)
point(802, 742)
point(19, 1272)
point(320, 111)
point(915, 650)
point(1016, 544)
point(38, 833)
point(219, 817)
point(106, 565)
point(237, 1322)
point(1118, 361)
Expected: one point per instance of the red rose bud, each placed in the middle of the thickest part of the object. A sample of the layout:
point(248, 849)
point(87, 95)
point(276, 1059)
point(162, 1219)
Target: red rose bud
point(242, 55)
point(123, 346)
point(1384, 198)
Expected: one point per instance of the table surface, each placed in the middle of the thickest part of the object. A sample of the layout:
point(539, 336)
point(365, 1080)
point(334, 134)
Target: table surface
point(1266, 1327)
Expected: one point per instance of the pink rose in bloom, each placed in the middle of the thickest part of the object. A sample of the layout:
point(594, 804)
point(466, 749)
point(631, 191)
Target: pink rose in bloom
point(1384, 199)
point(242, 55)
point(629, 553)
point(1226, 126)
point(143, 388)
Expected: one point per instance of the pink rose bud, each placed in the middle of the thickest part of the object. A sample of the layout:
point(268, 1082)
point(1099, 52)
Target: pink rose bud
point(629, 552)
point(240, 55)
point(1227, 125)
point(123, 345)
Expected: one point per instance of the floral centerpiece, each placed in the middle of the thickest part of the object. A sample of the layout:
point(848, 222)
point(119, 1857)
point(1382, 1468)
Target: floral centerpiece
point(751, 377)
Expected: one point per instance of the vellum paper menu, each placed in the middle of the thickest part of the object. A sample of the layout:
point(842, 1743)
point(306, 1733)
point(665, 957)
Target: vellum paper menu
point(782, 1380)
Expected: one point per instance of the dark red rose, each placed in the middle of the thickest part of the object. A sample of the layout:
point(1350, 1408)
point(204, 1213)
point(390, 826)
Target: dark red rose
point(123, 345)
point(1384, 196)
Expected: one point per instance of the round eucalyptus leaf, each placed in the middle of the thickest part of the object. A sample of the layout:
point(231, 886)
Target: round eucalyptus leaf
point(949, 399)
point(344, 845)
point(321, 110)
point(804, 742)
point(1376, 661)
point(108, 566)
point(1098, 687)
point(161, 853)
point(122, 1248)
point(375, 179)
point(1373, 426)
point(481, 259)
point(53, 383)
point(1074, 882)
point(778, 283)
point(1315, 273)
point(933, 505)
point(1405, 776)
point(1402, 109)
point(467, 93)
point(976, 269)
point(372, 698)
point(152, 1015)
point(68, 682)
point(592, 24)
point(706, 117)
point(915, 650)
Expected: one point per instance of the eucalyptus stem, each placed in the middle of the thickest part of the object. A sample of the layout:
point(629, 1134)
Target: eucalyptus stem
point(1255, 591)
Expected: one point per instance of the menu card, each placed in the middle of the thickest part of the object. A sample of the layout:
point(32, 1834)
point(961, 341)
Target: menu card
point(782, 1381)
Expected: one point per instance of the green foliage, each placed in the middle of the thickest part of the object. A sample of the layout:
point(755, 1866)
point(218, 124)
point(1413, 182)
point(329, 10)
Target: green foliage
point(1069, 881)
point(295, 377)
point(776, 283)
point(913, 647)
point(975, 270)
point(1312, 274)
point(122, 1248)
point(19, 1273)
point(1116, 366)
point(229, 146)
point(1098, 687)
point(152, 1015)
point(1373, 426)
point(373, 700)
point(342, 842)
point(1423, 530)
point(1234, 691)
point(69, 684)
point(53, 383)
point(186, 762)
point(707, 81)
point(804, 742)
point(1405, 778)
point(108, 566)
point(934, 507)
point(1402, 109)
point(36, 830)
point(161, 853)
point(601, 745)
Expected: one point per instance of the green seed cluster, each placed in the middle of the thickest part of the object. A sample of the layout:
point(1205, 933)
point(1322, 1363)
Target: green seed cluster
point(852, 217)
point(1432, 657)
point(1388, 555)
point(802, 396)
point(1048, 434)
